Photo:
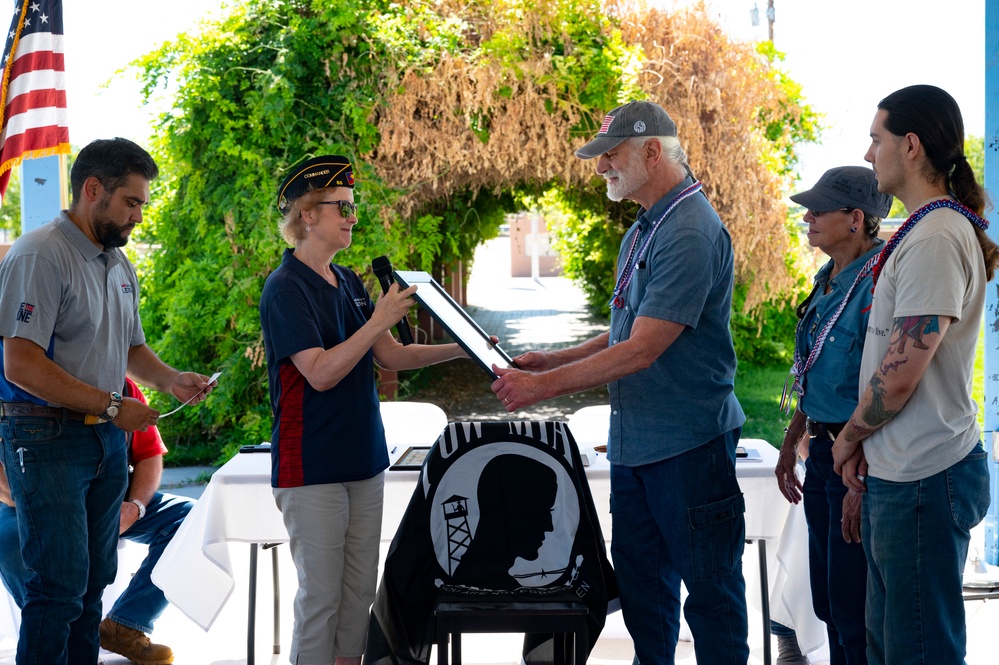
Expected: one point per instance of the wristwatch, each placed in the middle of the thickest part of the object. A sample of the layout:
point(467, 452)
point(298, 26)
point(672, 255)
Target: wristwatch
point(141, 507)
point(114, 407)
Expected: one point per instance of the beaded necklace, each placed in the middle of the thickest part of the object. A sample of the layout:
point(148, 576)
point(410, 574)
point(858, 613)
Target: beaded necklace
point(874, 268)
point(911, 222)
point(793, 383)
point(617, 302)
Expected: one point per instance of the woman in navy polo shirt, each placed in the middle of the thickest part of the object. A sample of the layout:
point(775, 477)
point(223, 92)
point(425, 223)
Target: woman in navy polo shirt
point(322, 335)
point(843, 212)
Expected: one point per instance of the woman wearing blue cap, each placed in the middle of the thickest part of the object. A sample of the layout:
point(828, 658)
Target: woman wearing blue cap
point(843, 212)
point(322, 336)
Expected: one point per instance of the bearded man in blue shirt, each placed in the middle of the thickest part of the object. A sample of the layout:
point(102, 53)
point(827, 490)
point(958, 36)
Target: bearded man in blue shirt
point(669, 363)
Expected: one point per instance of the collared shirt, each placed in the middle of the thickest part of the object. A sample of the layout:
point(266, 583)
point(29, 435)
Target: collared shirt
point(78, 302)
point(686, 397)
point(319, 436)
point(831, 383)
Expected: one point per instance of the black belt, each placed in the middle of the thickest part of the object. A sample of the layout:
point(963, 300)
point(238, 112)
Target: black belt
point(29, 409)
point(828, 430)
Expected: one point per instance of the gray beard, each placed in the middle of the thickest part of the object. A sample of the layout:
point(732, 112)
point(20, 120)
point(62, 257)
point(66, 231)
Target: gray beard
point(630, 179)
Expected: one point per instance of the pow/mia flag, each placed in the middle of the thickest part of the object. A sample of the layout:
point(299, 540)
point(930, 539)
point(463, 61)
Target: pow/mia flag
point(502, 511)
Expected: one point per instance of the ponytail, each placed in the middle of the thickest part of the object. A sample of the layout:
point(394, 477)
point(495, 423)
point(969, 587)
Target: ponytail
point(964, 187)
point(933, 115)
point(966, 190)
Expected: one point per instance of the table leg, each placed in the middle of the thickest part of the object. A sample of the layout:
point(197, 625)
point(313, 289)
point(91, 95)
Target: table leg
point(277, 599)
point(765, 600)
point(251, 611)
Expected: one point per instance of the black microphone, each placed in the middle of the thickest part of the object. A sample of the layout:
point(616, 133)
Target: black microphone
point(382, 268)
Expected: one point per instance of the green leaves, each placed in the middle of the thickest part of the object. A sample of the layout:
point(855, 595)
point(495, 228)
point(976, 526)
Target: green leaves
point(452, 111)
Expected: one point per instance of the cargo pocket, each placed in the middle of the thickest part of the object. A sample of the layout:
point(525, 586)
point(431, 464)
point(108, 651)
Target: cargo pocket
point(717, 536)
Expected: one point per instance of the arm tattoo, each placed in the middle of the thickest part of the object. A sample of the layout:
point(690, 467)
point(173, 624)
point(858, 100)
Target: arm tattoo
point(875, 414)
point(854, 432)
point(887, 367)
point(912, 327)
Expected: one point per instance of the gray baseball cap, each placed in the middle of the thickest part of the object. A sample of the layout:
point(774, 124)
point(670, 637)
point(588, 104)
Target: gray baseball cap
point(632, 119)
point(846, 187)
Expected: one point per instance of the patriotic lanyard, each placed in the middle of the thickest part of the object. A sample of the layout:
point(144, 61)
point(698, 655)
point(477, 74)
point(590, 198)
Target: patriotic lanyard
point(802, 365)
point(903, 230)
point(874, 268)
point(617, 302)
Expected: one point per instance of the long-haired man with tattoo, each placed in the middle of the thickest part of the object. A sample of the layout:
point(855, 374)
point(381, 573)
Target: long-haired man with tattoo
point(913, 442)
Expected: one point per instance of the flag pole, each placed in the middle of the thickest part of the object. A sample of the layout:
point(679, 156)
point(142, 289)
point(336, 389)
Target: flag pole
point(34, 127)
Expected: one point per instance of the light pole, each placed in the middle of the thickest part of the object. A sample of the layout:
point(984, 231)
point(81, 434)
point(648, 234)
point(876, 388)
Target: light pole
point(754, 16)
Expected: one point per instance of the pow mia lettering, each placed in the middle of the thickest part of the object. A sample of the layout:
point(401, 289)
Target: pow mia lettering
point(24, 312)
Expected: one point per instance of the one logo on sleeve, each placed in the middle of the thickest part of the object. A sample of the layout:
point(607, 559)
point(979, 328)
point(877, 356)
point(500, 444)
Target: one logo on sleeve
point(25, 311)
point(126, 287)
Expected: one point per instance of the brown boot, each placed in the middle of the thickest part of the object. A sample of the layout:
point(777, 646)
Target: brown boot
point(133, 644)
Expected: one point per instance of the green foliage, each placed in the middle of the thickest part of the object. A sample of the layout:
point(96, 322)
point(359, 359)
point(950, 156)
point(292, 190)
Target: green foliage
point(974, 150)
point(764, 336)
point(784, 130)
point(758, 388)
point(277, 81)
point(10, 213)
point(271, 84)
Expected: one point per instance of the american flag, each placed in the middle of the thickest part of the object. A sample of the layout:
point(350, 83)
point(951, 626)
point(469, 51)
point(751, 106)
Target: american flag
point(607, 123)
point(33, 120)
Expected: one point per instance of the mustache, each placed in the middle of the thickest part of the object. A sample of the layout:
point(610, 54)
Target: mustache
point(611, 173)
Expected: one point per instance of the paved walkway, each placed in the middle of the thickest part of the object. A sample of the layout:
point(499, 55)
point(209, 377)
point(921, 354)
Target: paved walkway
point(525, 313)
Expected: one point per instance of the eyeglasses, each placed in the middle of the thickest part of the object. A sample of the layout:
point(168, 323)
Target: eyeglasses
point(816, 213)
point(347, 208)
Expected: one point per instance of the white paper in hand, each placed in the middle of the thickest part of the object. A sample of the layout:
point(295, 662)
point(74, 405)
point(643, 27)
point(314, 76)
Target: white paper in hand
point(211, 379)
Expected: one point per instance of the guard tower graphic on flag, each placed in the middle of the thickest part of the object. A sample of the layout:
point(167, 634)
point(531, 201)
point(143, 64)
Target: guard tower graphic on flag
point(458, 533)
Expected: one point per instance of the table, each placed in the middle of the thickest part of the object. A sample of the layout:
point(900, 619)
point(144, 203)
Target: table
point(196, 573)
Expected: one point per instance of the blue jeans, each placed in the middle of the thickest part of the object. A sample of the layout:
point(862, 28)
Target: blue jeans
point(682, 519)
point(68, 481)
point(780, 630)
point(142, 602)
point(837, 569)
point(916, 536)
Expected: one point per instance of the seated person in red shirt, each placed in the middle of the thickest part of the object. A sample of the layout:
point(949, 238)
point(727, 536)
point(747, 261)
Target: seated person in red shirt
point(148, 517)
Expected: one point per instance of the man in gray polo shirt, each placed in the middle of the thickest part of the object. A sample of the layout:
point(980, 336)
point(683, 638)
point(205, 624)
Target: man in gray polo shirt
point(70, 328)
point(669, 363)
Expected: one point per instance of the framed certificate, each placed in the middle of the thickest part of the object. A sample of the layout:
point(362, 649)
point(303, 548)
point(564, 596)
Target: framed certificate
point(412, 459)
point(456, 321)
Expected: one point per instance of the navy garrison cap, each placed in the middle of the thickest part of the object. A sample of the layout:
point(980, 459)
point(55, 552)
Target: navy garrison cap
point(315, 173)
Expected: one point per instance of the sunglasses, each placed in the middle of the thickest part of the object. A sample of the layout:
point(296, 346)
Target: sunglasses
point(816, 213)
point(347, 208)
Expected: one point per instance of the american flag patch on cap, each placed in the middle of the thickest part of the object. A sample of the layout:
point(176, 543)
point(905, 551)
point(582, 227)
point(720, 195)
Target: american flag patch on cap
point(607, 123)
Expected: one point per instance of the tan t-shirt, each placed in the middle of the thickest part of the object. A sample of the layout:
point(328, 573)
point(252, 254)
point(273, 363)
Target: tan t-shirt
point(937, 269)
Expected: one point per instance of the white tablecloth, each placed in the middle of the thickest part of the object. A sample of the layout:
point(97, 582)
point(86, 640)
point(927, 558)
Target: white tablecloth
point(196, 573)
